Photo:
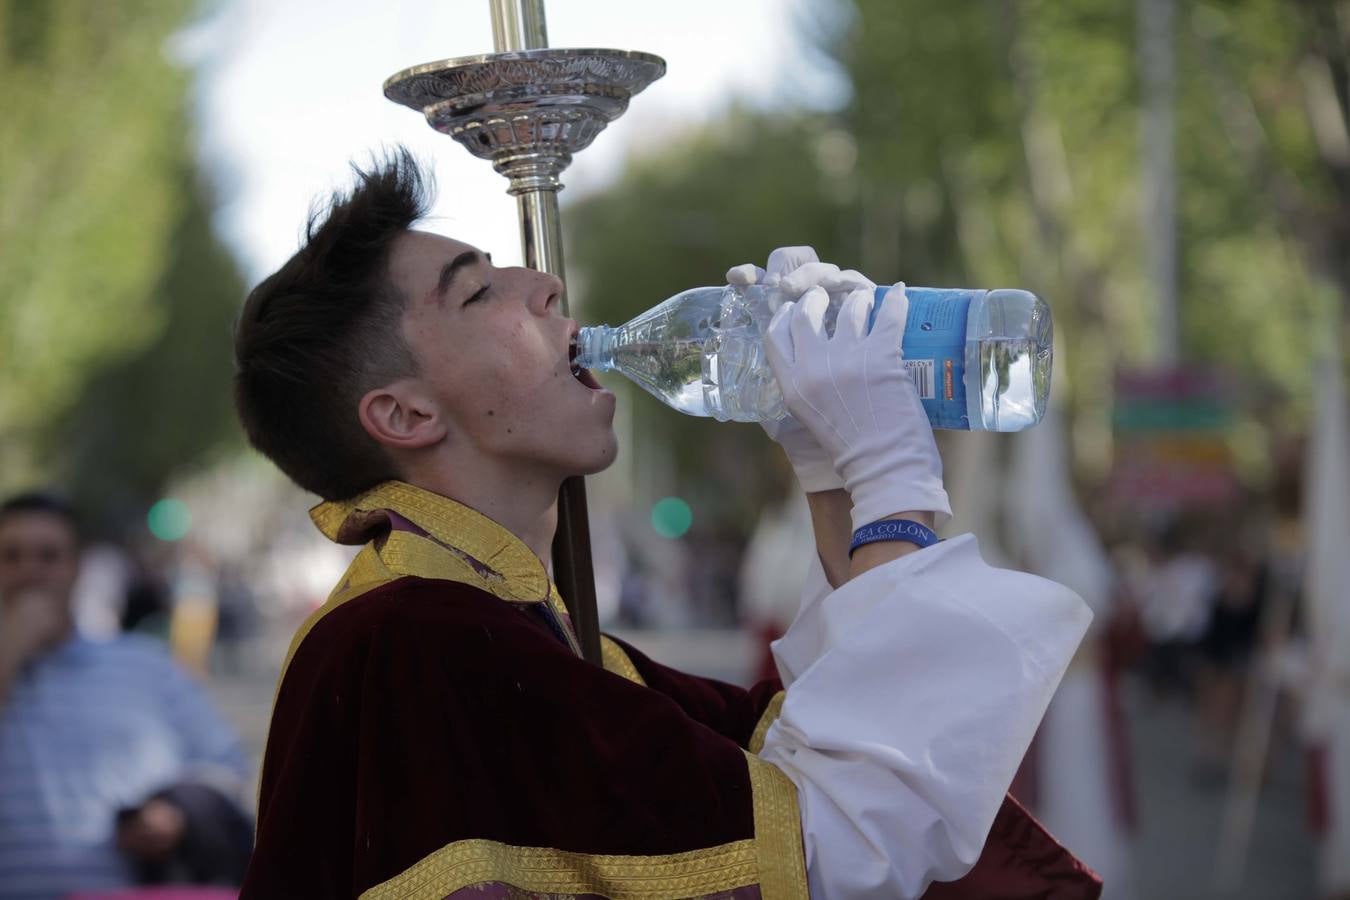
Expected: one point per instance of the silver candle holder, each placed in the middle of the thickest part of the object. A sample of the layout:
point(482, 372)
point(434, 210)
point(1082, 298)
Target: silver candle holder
point(527, 112)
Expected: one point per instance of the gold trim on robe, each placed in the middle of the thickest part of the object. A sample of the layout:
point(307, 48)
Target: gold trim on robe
point(464, 546)
point(778, 832)
point(616, 660)
point(543, 870)
point(508, 568)
point(770, 715)
point(774, 859)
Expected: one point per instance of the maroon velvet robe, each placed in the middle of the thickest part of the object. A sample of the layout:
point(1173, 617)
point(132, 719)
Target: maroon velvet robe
point(430, 739)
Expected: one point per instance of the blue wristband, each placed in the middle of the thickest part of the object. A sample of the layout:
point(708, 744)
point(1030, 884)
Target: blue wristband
point(893, 530)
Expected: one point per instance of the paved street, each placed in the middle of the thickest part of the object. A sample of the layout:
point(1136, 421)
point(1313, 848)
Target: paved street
point(1180, 819)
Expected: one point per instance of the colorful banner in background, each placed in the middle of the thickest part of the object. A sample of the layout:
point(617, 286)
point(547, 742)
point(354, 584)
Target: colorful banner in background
point(1171, 437)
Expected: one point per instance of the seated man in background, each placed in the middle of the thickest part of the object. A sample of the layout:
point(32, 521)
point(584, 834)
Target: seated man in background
point(114, 767)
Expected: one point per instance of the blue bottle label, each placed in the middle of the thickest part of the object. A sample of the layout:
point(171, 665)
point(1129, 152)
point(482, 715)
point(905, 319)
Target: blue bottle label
point(934, 345)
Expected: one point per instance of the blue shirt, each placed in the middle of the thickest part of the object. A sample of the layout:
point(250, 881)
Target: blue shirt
point(89, 729)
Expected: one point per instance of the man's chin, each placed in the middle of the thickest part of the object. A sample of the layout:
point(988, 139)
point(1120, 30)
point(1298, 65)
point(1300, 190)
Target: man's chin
point(599, 460)
point(596, 470)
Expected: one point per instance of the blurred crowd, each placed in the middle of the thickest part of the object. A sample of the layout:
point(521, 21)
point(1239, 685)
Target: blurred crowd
point(1202, 615)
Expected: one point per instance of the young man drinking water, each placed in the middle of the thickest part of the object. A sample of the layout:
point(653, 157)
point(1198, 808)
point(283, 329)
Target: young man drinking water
point(436, 732)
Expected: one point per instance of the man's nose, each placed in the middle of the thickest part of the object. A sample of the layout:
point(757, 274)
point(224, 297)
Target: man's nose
point(546, 293)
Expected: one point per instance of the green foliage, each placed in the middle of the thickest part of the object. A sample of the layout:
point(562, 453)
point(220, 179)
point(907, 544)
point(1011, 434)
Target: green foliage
point(106, 251)
point(142, 417)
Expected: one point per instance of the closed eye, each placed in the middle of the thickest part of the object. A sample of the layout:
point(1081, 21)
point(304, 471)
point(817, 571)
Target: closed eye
point(478, 294)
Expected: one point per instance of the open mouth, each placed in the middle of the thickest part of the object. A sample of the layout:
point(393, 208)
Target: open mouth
point(580, 374)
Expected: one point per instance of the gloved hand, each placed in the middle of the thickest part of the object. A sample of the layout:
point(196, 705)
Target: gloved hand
point(789, 273)
point(855, 397)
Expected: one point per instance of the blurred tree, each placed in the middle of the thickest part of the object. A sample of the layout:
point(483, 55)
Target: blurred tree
point(94, 187)
point(1002, 139)
point(168, 405)
point(1273, 97)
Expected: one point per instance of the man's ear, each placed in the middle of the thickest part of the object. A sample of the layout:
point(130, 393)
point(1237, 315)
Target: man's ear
point(401, 416)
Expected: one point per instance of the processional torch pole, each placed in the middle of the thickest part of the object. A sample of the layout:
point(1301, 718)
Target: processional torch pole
point(528, 109)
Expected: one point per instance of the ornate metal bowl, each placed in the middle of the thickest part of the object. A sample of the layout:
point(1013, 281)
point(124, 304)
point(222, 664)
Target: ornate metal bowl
point(527, 111)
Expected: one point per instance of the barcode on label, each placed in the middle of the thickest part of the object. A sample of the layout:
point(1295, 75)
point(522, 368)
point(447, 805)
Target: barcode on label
point(921, 370)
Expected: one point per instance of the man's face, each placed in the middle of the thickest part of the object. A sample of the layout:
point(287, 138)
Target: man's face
point(39, 553)
point(492, 346)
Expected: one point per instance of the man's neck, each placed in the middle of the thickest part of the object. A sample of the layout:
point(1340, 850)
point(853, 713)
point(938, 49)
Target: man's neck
point(526, 506)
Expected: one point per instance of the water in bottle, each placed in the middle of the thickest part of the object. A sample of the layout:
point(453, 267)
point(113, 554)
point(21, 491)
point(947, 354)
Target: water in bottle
point(980, 359)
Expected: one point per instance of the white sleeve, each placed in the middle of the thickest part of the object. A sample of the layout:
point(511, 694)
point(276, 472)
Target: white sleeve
point(913, 692)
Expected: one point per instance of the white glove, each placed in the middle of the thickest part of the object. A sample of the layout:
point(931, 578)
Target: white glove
point(855, 397)
point(790, 272)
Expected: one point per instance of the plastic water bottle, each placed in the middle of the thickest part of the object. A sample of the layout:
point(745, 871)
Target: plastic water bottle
point(981, 359)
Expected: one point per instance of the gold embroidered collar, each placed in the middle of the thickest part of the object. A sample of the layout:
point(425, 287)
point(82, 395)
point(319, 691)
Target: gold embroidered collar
point(455, 536)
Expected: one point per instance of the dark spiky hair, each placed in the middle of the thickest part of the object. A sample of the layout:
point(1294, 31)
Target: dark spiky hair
point(324, 329)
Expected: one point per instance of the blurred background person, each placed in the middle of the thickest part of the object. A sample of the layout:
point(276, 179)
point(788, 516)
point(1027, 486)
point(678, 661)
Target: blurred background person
point(1326, 595)
point(114, 767)
point(1175, 610)
point(1225, 654)
point(195, 615)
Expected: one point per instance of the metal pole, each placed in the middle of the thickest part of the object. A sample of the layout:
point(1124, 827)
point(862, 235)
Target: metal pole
point(1157, 66)
point(519, 25)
